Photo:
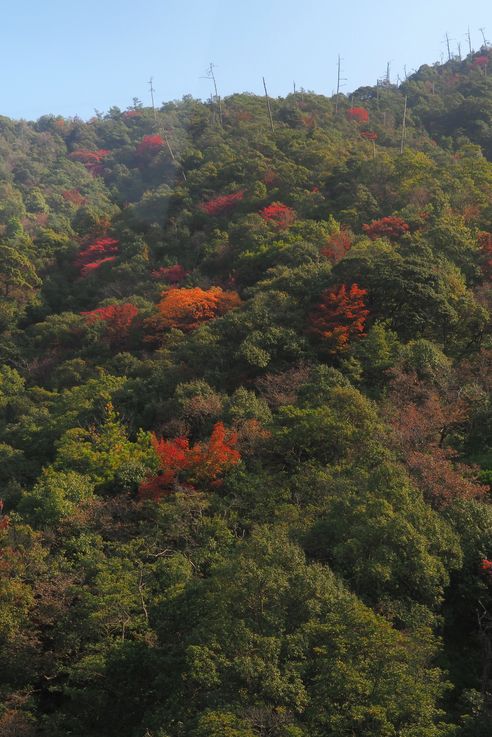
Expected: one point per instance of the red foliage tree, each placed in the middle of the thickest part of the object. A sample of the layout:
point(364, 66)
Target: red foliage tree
point(340, 316)
point(369, 135)
point(422, 418)
point(358, 114)
point(91, 257)
point(94, 265)
point(92, 160)
point(150, 145)
point(388, 227)
point(118, 319)
point(338, 245)
point(279, 214)
point(172, 274)
point(441, 478)
point(186, 309)
point(197, 466)
point(486, 567)
point(225, 202)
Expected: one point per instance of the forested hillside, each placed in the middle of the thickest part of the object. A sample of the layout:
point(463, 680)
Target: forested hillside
point(246, 416)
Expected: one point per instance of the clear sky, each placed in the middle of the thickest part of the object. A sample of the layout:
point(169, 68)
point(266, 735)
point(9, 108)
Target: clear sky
point(70, 57)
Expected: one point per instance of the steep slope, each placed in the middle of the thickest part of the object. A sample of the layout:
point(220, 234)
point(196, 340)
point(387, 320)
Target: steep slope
point(246, 416)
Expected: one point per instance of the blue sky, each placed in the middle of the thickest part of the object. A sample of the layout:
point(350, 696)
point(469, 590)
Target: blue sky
point(70, 57)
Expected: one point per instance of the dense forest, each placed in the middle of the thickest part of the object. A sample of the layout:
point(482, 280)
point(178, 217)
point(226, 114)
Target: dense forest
point(246, 415)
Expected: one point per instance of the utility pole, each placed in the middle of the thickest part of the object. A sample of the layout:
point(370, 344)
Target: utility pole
point(152, 90)
point(340, 79)
point(268, 106)
point(296, 101)
point(404, 126)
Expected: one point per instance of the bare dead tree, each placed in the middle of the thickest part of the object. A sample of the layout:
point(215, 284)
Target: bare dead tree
point(268, 106)
point(448, 45)
point(165, 134)
point(404, 126)
point(218, 102)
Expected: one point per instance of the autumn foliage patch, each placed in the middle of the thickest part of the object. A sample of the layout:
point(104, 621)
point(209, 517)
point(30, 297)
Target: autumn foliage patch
point(486, 567)
point(279, 214)
point(340, 316)
point(91, 257)
point(198, 466)
point(118, 320)
point(358, 114)
point(187, 309)
point(218, 205)
point(150, 145)
point(92, 160)
point(388, 227)
point(172, 274)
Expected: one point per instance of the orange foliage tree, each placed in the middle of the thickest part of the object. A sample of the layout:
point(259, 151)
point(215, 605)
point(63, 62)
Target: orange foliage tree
point(186, 309)
point(198, 466)
point(339, 316)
